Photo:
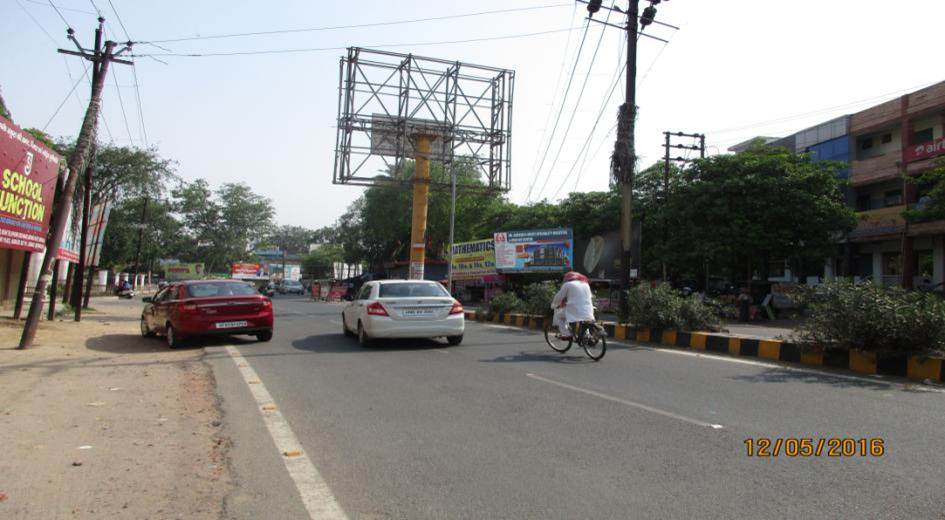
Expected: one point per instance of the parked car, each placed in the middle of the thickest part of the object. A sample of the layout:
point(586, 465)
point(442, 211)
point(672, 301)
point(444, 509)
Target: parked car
point(207, 307)
point(291, 287)
point(403, 309)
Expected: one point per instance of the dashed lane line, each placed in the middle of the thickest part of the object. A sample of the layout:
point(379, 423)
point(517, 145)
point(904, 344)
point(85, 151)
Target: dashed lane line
point(316, 495)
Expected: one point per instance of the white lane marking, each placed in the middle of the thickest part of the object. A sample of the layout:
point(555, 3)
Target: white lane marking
point(316, 496)
point(441, 351)
point(916, 386)
point(336, 322)
point(644, 407)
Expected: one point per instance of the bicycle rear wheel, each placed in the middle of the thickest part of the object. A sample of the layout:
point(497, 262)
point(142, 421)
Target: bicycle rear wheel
point(594, 344)
point(553, 340)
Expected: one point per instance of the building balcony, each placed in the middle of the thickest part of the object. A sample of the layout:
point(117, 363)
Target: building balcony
point(876, 169)
point(879, 223)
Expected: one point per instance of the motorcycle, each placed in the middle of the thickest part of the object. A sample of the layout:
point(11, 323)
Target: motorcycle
point(126, 294)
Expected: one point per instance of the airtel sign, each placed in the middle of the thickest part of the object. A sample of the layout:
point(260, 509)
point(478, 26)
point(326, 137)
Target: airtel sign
point(917, 152)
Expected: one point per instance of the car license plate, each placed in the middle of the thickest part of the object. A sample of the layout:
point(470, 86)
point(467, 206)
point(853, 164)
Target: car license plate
point(417, 313)
point(231, 324)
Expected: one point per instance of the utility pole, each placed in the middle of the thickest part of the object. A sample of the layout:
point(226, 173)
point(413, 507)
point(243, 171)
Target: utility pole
point(667, 165)
point(623, 160)
point(100, 59)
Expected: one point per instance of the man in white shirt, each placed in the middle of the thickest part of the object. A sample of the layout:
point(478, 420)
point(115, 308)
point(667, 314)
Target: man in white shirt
point(573, 303)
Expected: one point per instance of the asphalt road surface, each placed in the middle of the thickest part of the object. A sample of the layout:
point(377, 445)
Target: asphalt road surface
point(503, 427)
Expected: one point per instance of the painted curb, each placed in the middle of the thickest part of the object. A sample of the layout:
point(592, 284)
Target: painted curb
point(916, 368)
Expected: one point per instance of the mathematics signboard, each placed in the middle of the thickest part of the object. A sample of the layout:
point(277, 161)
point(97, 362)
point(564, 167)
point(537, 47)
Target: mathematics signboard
point(183, 271)
point(472, 260)
point(534, 250)
point(27, 188)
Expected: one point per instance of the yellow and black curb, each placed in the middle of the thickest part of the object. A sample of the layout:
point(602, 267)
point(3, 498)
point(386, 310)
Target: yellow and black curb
point(917, 368)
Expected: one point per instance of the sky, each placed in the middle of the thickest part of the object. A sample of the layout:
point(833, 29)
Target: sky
point(733, 70)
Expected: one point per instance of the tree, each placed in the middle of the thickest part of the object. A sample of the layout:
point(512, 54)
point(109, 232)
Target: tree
point(221, 226)
point(931, 205)
point(321, 261)
point(159, 239)
point(120, 172)
point(293, 239)
point(740, 212)
point(3, 109)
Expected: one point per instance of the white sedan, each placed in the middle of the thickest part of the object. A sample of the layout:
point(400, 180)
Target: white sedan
point(403, 309)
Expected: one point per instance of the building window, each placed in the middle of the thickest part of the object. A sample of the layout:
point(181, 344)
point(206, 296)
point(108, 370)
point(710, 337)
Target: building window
point(887, 138)
point(863, 202)
point(925, 264)
point(866, 143)
point(892, 198)
point(923, 136)
point(892, 264)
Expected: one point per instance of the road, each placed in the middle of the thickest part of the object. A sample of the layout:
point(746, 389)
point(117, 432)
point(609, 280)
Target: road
point(503, 427)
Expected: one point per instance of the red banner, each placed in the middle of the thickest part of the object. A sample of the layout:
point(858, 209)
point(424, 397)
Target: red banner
point(26, 188)
point(917, 152)
point(246, 271)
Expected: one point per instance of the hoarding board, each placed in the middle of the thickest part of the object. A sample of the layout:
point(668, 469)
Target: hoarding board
point(534, 250)
point(184, 271)
point(250, 271)
point(69, 247)
point(97, 223)
point(27, 188)
point(294, 271)
point(472, 260)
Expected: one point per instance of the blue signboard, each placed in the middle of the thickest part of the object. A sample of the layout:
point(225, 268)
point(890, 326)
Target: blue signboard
point(534, 250)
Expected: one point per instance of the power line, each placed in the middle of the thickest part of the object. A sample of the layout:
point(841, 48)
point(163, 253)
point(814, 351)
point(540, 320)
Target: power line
point(46, 4)
point(35, 21)
point(121, 103)
point(355, 26)
point(97, 10)
point(60, 14)
point(577, 105)
point(134, 72)
point(76, 84)
point(376, 46)
point(564, 100)
point(121, 23)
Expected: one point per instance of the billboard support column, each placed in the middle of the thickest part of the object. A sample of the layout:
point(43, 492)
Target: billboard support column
point(52, 290)
point(452, 175)
point(21, 287)
point(421, 191)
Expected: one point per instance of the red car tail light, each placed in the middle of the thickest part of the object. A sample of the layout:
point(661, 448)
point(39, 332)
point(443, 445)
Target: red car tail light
point(457, 308)
point(376, 309)
point(267, 303)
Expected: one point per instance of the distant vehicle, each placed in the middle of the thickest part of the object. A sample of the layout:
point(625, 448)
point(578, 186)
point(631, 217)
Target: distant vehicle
point(291, 287)
point(403, 309)
point(267, 290)
point(207, 307)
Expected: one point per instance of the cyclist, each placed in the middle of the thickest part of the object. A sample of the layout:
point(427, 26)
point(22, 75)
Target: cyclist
point(573, 303)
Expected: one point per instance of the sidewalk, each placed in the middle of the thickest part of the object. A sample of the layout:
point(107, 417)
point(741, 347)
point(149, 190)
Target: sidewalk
point(98, 422)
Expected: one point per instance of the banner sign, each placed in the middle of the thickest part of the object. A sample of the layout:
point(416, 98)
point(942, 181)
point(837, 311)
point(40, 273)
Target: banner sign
point(534, 250)
point(27, 188)
point(97, 223)
point(474, 259)
point(294, 271)
point(246, 271)
point(917, 152)
point(69, 247)
point(183, 271)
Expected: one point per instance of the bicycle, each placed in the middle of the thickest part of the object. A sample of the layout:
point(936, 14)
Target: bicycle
point(589, 335)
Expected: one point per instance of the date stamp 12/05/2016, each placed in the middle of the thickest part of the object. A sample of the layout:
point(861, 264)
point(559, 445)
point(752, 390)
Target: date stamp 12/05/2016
point(815, 447)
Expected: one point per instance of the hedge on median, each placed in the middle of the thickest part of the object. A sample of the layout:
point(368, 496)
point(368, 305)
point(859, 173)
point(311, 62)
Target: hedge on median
point(662, 308)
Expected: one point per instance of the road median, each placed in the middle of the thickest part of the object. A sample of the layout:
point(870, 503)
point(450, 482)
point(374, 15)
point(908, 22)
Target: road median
point(916, 368)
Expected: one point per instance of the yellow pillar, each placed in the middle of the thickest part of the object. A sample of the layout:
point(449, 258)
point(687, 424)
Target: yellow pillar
point(421, 189)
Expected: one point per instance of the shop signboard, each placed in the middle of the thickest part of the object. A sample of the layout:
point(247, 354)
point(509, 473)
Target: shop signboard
point(294, 271)
point(250, 271)
point(474, 260)
point(917, 152)
point(178, 271)
point(536, 250)
point(27, 188)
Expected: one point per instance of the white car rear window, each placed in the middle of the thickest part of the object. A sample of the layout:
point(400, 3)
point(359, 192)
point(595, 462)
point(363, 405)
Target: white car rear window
point(411, 290)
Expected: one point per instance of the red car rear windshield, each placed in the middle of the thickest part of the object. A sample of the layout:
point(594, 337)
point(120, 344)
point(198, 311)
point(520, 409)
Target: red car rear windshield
point(411, 290)
point(210, 290)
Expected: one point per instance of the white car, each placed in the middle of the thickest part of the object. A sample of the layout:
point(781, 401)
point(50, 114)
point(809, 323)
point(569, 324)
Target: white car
point(403, 309)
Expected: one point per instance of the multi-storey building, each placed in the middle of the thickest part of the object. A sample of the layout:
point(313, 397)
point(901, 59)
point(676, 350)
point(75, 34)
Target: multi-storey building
point(886, 147)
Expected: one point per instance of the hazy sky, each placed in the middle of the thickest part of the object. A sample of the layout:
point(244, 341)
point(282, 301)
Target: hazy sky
point(734, 70)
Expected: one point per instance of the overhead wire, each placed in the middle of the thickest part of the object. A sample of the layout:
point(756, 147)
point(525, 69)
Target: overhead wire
point(374, 46)
point(53, 116)
point(564, 100)
point(60, 14)
point(357, 26)
point(577, 105)
point(46, 4)
point(134, 72)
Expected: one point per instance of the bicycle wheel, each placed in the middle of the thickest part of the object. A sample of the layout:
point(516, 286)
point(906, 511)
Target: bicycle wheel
point(553, 340)
point(594, 343)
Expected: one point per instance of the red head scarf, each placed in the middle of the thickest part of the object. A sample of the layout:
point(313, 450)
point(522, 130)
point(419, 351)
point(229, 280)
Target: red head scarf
point(573, 275)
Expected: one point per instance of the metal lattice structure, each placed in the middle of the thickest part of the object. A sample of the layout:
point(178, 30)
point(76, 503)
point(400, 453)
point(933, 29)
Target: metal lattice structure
point(387, 99)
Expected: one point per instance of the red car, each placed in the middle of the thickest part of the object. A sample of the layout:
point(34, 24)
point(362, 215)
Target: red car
point(207, 307)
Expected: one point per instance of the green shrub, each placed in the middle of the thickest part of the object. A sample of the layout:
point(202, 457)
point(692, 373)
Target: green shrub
point(663, 308)
point(873, 318)
point(505, 303)
point(538, 298)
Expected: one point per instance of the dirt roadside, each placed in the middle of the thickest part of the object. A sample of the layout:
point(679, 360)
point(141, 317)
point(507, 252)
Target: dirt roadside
point(98, 422)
